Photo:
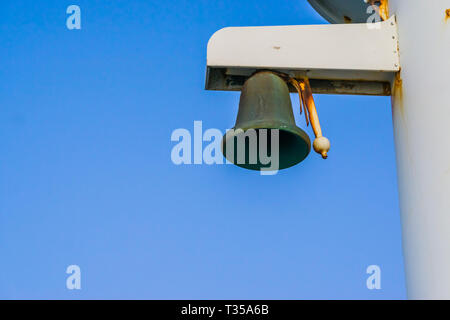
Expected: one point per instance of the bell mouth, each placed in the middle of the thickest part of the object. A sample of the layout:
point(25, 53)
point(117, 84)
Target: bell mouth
point(255, 149)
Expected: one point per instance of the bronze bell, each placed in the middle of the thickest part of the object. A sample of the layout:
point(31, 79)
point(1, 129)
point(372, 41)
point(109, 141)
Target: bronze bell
point(265, 104)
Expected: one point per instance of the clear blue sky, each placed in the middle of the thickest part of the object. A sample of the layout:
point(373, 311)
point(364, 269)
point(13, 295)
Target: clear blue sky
point(86, 176)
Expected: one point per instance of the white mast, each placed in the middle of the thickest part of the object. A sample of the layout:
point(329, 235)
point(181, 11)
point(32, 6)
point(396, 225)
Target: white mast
point(421, 112)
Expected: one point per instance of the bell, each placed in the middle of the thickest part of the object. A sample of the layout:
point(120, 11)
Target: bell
point(265, 127)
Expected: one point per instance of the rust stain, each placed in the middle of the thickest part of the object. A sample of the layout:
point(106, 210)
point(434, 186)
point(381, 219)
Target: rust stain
point(397, 96)
point(384, 10)
point(387, 89)
point(347, 19)
point(447, 15)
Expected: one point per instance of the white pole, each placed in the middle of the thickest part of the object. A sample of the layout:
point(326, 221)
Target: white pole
point(421, 116)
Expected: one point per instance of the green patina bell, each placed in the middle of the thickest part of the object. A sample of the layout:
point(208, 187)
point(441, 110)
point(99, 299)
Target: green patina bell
point(265, 104)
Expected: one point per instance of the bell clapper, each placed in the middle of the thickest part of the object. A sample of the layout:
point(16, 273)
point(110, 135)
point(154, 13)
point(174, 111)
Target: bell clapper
point(321, 144)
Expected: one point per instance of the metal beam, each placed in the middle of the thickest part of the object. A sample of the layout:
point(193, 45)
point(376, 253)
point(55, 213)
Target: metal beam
point(343, 59)
point(223, 79)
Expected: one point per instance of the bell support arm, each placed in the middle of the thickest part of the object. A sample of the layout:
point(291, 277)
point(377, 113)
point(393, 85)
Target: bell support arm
point(338, 59)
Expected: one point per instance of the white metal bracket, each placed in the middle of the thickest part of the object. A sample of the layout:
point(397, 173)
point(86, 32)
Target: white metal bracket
point(339, 59)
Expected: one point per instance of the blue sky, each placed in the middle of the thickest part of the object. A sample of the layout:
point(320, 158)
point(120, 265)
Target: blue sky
point(86, 176)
